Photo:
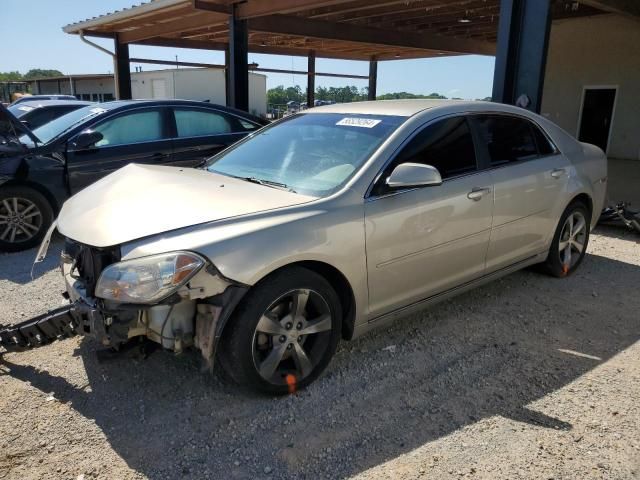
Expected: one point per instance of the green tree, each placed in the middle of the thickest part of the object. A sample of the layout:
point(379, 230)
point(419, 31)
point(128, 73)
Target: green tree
point(42, 73)
point(10, 76)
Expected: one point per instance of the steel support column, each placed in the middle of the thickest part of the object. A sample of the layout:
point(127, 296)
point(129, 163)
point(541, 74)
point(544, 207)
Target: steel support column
point(238, 85)
point(227, 81)
point(122, 70)
point(311, 79)
point(373, 78)
point(523, 40)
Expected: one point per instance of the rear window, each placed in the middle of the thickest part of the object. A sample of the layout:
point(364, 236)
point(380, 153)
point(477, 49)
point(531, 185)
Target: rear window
point(508, 139)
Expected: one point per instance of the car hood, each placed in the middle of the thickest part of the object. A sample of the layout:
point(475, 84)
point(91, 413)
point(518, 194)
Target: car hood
point(141, 200)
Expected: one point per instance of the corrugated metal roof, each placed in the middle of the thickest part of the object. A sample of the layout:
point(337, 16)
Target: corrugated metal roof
point(124, 13)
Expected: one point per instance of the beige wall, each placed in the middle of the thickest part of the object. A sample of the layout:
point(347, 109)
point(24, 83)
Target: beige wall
point(596, 51)
point(198, 84)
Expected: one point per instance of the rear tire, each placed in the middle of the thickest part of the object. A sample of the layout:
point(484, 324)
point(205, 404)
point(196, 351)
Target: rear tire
point(570, 241)
point(25, 216)
point(283, 334)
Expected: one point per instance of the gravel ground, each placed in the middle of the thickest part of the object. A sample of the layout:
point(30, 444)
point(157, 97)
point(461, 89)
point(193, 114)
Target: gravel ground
point(528, 377)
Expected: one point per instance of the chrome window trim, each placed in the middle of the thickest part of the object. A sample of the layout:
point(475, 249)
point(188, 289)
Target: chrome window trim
point(554, 147)
point(468, 113)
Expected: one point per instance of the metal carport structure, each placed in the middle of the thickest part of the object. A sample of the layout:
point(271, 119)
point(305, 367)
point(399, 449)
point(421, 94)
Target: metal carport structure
point(516, 31)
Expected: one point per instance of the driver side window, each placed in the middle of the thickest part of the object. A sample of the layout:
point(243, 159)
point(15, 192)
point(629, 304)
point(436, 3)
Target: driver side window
point(134, 127)
point(446, 145)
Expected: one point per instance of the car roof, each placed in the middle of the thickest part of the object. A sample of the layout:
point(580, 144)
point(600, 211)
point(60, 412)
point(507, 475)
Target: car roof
point(408, 108)
point(36, 103)
point(117, 104)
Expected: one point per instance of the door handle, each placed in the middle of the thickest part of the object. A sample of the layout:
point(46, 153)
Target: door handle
point(158, 155)
point(477, 193)
point(558, 172)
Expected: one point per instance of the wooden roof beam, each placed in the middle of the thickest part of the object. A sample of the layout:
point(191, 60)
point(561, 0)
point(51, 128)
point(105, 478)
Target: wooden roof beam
point(298, 26)
point(202, 20)
point(260, 8)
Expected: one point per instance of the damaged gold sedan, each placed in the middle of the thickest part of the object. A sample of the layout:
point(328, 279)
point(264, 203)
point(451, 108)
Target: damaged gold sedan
point(319, 227)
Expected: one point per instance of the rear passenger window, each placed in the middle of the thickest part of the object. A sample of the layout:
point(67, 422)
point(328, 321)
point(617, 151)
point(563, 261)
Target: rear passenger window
point(508, 139)
point(544, 145)
point(446, 145)
point(198, 123)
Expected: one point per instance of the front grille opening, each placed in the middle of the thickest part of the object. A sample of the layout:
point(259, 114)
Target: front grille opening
point(90, 261)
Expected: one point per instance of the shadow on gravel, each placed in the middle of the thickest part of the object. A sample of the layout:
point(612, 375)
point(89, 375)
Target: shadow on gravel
point(489, 352)
point(620, 232)
point(16, 267)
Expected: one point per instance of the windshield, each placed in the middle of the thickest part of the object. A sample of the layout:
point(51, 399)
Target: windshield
point(313, 153)
point(60, 125)
point(19, 110)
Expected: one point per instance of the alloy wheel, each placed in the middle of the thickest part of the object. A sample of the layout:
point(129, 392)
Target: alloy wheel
point(291, 337)
point(572, 240)
point(20, 219)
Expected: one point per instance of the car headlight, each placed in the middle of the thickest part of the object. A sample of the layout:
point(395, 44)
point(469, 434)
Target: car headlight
point(147, 279)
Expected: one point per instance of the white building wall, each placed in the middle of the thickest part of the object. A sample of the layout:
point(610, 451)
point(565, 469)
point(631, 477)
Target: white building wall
point(200, 84)
point(596, 51)
point(186, 83)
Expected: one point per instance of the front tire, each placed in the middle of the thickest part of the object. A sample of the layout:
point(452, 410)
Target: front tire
point(25, 216)
point(570, 241)
point(283, 334)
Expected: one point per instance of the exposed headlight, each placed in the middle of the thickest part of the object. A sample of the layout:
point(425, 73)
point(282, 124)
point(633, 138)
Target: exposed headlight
point(147, 279)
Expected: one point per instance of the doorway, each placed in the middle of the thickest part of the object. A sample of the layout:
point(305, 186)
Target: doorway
point(598, 104)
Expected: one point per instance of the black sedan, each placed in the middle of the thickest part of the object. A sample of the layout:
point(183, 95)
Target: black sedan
point(36, 113)
point(41, 168)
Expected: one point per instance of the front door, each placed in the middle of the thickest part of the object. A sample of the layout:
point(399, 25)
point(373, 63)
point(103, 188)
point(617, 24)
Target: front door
point(597, 114)
point(423, 241)
point(138, 136)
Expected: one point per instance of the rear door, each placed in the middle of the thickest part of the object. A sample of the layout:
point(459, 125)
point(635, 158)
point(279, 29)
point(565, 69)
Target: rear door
point(423, 241)
point(134, 136)
point(528, 175)
point(203, 132)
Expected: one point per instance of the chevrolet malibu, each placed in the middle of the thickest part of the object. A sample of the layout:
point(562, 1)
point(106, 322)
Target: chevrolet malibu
point(320, 227)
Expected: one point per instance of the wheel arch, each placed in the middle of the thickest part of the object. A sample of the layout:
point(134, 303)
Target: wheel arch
point(38, 188)
point(335, 278)
point(583, 198)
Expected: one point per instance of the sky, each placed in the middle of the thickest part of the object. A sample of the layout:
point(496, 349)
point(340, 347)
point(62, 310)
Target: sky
point(32, 37)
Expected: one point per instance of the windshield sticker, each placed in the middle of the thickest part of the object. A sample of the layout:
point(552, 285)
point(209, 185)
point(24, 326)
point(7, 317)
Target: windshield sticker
point(25, 108)
point(358, 122)
point(98, 110)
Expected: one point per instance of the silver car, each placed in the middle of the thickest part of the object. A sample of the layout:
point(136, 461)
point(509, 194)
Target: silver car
point(319, 227)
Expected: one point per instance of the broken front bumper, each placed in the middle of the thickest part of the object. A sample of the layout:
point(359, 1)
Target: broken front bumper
point(63, 322)
point(77, 318)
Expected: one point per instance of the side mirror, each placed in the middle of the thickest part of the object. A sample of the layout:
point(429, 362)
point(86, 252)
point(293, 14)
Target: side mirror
point(87, 139)
point(408, 175)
